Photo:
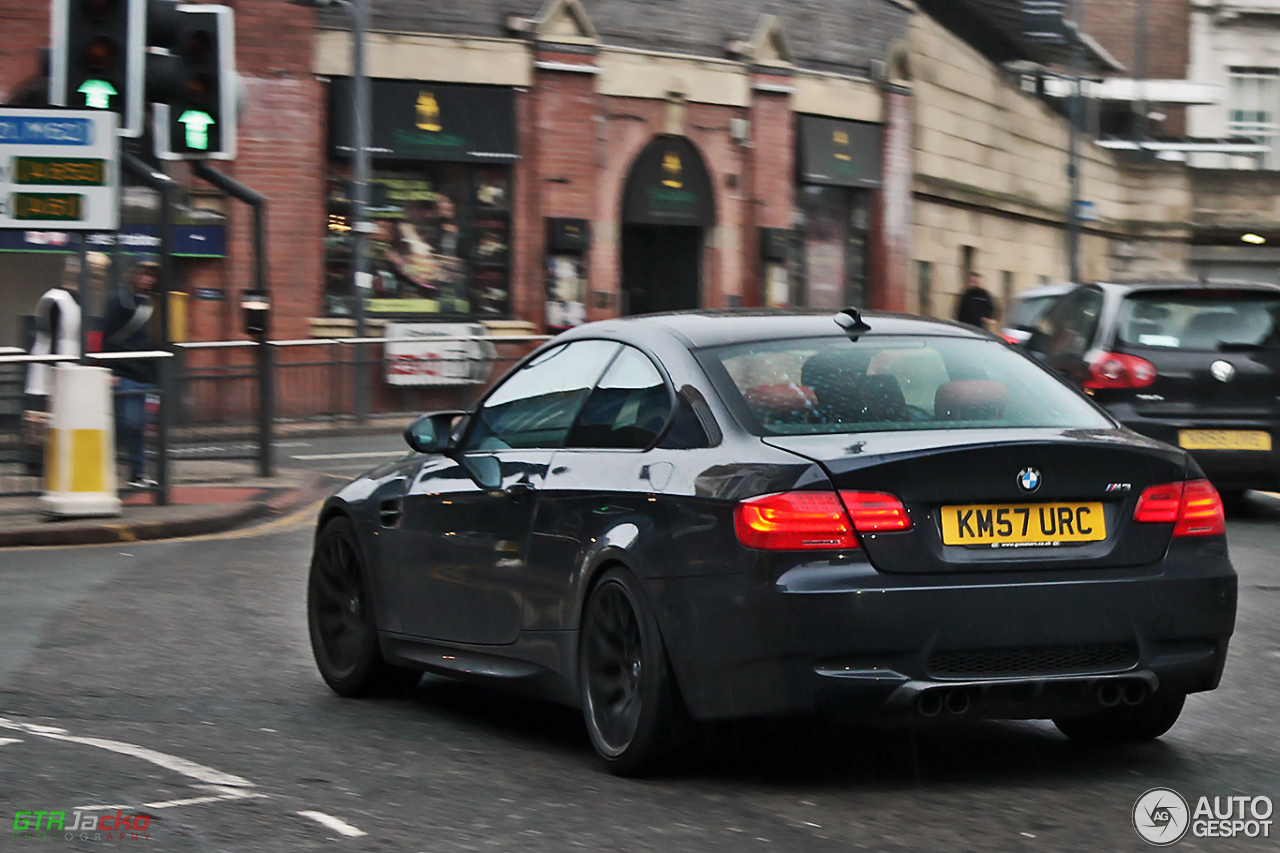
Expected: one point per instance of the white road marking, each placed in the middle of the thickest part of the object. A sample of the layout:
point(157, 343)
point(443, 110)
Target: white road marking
point(190, 769)
point(362, 455)
point(6, 740)
point(336, 824)
point(197, 801)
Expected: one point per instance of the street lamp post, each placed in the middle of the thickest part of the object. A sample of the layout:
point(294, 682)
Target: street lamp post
point(361, 279)
point(1075, 105)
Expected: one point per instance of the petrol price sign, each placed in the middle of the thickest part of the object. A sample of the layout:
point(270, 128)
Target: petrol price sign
point(59, 169)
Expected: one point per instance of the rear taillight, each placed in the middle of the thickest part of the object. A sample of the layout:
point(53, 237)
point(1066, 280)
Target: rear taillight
point(875, 512)
point(812, 521)
point(1116, 370)
point(794, 521)
point(1194, 508)
point(1201, 513)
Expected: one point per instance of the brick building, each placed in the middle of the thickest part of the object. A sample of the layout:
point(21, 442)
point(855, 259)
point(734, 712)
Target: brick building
point(553, 162)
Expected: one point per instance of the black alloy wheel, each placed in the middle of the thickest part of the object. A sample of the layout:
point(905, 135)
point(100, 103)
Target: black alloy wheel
point(1126, 723)
point(633, 714)
point(340, 618)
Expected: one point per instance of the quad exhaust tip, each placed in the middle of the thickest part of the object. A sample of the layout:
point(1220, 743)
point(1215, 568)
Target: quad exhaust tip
point(958, 701)
point(932, 702)
point(1135, 693)
point(1110, 694)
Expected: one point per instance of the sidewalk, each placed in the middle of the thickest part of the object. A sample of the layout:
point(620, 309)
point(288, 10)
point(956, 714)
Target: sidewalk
point(205, 497)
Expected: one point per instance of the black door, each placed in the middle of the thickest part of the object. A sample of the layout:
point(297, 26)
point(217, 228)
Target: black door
point(661, 267)
point(467, 518)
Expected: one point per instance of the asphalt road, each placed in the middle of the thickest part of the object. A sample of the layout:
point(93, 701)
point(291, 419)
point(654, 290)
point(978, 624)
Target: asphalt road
point(173, 680)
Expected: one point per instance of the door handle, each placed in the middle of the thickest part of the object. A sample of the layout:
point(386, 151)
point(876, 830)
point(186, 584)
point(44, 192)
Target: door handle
point(389, 512)
point(518, 491)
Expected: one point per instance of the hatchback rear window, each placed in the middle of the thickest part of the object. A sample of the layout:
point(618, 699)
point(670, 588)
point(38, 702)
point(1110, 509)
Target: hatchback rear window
point(1200, 321)
point(1028, 310)
point(881, 382)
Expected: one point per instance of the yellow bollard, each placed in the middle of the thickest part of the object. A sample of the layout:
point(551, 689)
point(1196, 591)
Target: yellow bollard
point(79, 453)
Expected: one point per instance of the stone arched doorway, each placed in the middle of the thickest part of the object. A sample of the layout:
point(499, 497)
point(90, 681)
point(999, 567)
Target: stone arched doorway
point(666, 208)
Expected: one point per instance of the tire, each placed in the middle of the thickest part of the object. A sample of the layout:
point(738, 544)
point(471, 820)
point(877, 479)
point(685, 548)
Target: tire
point(341, 621)
point(1126, 723)
point(632, 710)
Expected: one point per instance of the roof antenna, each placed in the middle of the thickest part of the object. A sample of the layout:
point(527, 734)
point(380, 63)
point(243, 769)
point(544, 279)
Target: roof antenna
point(851, 321)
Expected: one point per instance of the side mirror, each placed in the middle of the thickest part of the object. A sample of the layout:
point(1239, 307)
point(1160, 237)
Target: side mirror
point(432, 432)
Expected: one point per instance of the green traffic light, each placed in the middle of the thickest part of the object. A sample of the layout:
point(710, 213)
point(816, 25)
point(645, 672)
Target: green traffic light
point(97, 94)
point(197, 125)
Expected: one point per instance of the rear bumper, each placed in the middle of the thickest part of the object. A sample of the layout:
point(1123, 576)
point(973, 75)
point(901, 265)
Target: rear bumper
point(1228, 469)
point(1031, 645)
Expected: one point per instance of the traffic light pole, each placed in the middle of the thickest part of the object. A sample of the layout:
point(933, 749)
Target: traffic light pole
point(266, 376)
point(167, 188)
point(359, 10)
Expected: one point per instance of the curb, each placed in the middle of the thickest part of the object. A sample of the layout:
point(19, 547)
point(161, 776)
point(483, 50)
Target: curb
point(273, 502)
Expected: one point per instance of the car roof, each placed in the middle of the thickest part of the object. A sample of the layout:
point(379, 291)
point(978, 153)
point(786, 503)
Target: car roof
point(1189, 284)
point(717, 327)
point(1053, 288)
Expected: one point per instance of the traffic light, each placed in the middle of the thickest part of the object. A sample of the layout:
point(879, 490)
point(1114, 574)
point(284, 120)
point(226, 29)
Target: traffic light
point(194, 85)
point(96, 58)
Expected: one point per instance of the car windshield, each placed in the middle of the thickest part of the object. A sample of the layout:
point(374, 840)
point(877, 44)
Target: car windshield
point(1200, 321)
point(881, 382)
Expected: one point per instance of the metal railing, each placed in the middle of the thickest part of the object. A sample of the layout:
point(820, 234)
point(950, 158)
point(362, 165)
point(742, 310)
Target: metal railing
point(208, 403)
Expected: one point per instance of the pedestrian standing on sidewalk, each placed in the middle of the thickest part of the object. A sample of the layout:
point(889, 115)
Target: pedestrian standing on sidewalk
point(977, 307)
point(57, 315)
point(129, 325)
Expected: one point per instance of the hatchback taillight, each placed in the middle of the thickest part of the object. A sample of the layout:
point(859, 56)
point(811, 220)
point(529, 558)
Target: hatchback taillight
point(812, 521)
point(1116, 370)
point(1194, 508)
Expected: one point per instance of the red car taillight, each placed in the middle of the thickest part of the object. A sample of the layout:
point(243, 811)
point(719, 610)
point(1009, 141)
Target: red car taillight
point(875, 512)
point(1115, 370)
point(1194, 507)
point(809, 521)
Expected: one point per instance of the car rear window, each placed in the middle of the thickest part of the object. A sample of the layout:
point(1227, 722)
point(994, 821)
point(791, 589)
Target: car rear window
point(882, 382)
point(1200, 321)
point(1029, 309)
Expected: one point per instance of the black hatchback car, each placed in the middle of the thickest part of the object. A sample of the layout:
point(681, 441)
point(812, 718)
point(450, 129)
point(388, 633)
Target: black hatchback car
point(710, 515)
point(1196, 364)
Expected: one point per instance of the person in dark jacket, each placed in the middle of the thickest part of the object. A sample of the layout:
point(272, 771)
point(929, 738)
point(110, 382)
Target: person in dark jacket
point(976, 308)
point(128, 325)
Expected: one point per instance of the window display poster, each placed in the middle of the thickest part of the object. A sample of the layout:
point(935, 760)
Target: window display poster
point(438, 244)
point(566, 291)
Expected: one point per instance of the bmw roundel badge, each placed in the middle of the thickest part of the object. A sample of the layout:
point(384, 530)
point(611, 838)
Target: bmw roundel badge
point(1028, 479)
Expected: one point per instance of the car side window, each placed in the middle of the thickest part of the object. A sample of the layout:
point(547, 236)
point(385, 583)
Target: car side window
point(536, 405)
point(628, 409)
point(1068, 329)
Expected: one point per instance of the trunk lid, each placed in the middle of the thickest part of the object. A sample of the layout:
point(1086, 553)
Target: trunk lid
point(966, 489)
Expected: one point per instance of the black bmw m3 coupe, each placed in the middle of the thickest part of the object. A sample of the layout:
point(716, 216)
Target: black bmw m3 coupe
point(686, 517)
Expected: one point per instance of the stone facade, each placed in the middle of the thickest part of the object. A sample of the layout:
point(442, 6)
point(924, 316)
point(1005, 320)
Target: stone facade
point(991, 187)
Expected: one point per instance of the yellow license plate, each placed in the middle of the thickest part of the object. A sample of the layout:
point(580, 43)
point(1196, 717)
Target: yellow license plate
point(1224, 439)
point(1023, 524)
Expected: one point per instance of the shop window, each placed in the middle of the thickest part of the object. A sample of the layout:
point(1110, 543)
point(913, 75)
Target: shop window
point(440, 244)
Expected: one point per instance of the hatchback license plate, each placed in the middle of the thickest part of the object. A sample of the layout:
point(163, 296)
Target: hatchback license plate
point(1023, 524)
point(1224, 439)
